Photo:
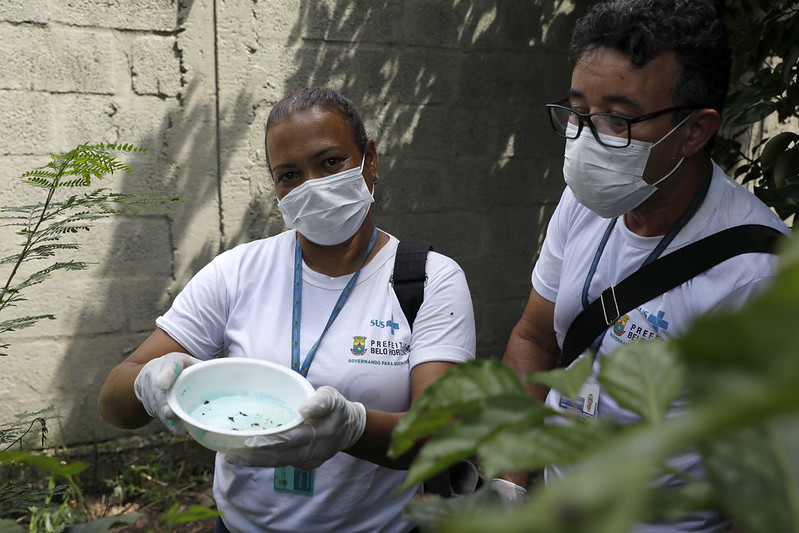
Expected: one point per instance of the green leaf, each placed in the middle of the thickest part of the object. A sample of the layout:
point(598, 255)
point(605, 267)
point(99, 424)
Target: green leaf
point(428, 512)
point(789, 63)
point(530, 448)
point(786, 166)
point(460, 391)
point(756, 113)
point(104, 524)
point(755, 474)
point(461, 439)
point(776, 146)
point(10, 526)
point(644, 378)
point(192, 514)
point(51, 464)
point(565, 380)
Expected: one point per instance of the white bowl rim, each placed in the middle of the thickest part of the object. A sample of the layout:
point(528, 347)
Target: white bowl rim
point(174, 404)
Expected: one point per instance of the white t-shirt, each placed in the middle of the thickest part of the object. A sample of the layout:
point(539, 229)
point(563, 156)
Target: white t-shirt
point(573, 235)
point(241, 305)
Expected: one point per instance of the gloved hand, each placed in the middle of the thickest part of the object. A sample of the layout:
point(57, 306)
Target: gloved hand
point(331, 424)
point(154, 379)
point(511, 493)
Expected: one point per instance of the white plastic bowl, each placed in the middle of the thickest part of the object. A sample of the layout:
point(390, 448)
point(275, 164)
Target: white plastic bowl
point(223, 402)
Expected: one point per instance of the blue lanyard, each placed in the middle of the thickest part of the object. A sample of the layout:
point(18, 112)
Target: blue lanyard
point(296, 314)
point(679, 224)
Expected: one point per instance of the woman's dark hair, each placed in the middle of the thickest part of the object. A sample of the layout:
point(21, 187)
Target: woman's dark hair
point(642, 29)
point(322, 98)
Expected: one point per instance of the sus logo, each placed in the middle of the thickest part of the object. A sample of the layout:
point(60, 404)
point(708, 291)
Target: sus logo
point(358, 345)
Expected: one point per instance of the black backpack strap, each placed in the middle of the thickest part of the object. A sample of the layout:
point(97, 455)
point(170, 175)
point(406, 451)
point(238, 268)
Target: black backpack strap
point(409, 277)
point(661, 276)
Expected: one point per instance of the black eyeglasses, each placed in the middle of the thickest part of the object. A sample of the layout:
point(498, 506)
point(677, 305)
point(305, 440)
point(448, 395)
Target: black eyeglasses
point(616, 129)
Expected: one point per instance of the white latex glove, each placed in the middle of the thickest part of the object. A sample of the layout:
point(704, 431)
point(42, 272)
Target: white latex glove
point(331, 424)
point(511, 493)
point(154, 379)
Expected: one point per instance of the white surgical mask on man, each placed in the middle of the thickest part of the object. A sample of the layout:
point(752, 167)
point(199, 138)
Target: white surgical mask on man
point(609, 181)
point(328, 210)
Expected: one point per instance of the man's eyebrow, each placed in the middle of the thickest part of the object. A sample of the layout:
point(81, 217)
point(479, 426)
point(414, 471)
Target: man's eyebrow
point(611, 99)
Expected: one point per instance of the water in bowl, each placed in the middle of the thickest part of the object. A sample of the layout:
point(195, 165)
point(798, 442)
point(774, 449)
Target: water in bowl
point(237, 412)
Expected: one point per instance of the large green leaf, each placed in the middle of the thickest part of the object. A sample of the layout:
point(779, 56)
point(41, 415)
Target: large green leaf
point(192, 513)
point(10, 526)
point(775, 146)
point(532, 447)
point(756, 113)
point(565, 380)
point(644, 378)
point(429, 511)
point(51, 464)
point(786, 166)
point(461, 439)
point(755, 475)
point(583, 501)
point(104, 524)
point(463, 390)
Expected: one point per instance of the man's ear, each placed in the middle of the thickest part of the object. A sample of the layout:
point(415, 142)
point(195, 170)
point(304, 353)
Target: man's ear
point(700, 128)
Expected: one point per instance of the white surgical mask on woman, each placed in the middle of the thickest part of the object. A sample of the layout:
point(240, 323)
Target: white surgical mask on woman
point(609, 181)
point(328, 210)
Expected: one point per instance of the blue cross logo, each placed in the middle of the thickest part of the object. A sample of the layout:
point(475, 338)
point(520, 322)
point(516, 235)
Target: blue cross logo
point(393, 325)
point(657, 321)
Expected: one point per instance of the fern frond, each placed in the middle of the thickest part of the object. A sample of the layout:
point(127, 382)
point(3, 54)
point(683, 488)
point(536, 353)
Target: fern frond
point(21, 497)
point(126, 148)
point(22, 322)
point(42, 251)
point(41, 275)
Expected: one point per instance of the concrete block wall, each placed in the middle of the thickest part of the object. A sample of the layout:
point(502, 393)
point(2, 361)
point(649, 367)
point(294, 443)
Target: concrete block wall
point(451, 91)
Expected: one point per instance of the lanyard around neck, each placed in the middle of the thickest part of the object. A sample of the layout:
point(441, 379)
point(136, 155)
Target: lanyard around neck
point(679, 224)
point(296, 314)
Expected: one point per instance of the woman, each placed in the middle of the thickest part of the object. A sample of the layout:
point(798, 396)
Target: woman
point(369, 366)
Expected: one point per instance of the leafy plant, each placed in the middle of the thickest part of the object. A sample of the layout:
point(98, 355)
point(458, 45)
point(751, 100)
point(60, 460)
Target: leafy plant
point(739, 371)
point(765, 87)
point(43, 225)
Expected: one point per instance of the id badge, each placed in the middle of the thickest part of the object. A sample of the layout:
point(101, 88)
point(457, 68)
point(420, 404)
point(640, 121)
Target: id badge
point(587, 400)
point(289, 479)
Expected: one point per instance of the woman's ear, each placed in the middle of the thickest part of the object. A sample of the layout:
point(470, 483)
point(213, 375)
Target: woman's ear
point(701, 128)
point(371, 159)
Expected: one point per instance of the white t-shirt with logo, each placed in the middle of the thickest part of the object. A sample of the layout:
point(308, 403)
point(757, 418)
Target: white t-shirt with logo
point(240, 305)
point(573, 235)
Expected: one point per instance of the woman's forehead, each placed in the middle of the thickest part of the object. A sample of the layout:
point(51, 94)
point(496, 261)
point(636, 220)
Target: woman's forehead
point(308, 129)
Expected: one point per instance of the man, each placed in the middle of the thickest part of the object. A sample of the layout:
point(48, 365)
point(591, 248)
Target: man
point(647, 90)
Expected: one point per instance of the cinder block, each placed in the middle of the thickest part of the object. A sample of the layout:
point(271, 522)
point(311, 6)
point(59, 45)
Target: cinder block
point(276, 21)
point(27, 122)
point(82, 305)
point(56, 60)
point(142, 121)
point(434, 24)
point(24, 11)
point(359, 21)
point(155, 66)
point(126, 246)
point(149, 15)
point(145, 300)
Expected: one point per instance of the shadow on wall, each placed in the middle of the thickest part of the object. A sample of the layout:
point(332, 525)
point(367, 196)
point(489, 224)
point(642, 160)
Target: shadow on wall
point(453, 93)
point(90, 357)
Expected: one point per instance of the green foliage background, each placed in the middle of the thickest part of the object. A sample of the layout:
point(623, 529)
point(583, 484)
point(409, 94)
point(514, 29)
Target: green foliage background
point(740, 372)
point(763, 34)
